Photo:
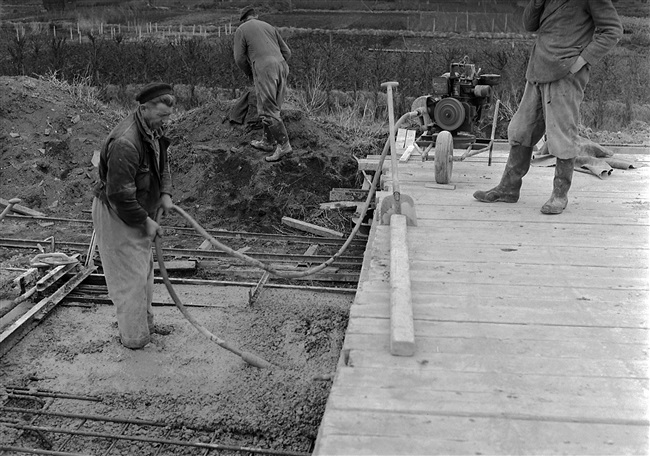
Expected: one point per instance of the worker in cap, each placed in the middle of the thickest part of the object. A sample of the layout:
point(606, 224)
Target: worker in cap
point(571, 36)
point(134, 183)
point(261, 53)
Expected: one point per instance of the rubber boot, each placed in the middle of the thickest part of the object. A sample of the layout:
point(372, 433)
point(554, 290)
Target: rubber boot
point(278, 131)
point(267, 143)
point(508, 189)
point(561, 184)
point(283, 149)
point(280, 152)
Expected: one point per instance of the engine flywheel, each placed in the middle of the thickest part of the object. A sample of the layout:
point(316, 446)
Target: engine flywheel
point(449, 114)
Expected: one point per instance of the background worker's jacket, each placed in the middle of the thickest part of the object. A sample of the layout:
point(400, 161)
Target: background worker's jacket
point(567, 29)
point(257, 42)
point(131, 178)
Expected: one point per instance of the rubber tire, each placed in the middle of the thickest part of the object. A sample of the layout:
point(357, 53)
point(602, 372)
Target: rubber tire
point(444, 157)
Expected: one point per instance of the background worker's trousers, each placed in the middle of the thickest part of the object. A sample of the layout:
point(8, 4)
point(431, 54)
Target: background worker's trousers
point(127, 261)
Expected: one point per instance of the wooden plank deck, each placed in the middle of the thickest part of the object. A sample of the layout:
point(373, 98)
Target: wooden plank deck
point(531, 330)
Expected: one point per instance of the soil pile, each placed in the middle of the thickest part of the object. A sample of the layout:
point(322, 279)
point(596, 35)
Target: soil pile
point(224, 182)
point(49, 133)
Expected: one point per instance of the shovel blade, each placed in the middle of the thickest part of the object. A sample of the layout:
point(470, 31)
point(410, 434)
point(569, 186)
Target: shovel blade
point(406, 207)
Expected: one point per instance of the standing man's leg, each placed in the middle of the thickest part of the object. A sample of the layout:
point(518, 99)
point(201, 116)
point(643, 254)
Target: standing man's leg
point(562, 110)
point(239, 110)
point(270, 85)
point(128, 267)
point(525, 129)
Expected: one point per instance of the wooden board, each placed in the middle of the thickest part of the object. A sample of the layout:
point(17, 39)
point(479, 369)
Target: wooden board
point(531, 332)
point(348, 194)
point(311, 228)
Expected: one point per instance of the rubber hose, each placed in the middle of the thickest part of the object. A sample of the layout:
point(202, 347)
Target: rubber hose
point(250, 358)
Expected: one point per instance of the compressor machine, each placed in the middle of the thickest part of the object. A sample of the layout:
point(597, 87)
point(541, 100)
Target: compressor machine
point(452, 114)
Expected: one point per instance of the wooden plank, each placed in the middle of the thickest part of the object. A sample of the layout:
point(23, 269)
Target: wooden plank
point(40, 310)
point(177, 265)
point(543, 310)
point(389, 433)
point(506, 252)
point(340, 205)
point(407, 153)
point(348, 194)
point(410, 138)
point(612, 391)
point(583, 215)
point(19, 209)
point(543, 357)
point(311, 228)
point(205, 245)
point(400, 137)
point(476, 290)
point(409, 146)
point(365, 164)
point(506, 331)
point(582, 277)
point(632, 411)
point(402, 335)
point(531, 233)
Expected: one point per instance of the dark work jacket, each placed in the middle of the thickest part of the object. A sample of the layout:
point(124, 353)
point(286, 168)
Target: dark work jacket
point(567, 29)
point(131, 179)
point(257, 42)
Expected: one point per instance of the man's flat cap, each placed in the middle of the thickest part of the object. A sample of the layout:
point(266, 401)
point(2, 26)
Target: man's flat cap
point(245, 12)
point(154, 90)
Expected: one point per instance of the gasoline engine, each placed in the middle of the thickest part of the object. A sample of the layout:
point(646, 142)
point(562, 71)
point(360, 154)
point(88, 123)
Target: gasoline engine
point(456, 105)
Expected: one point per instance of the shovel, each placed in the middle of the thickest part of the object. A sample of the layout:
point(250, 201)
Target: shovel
point(397, 203)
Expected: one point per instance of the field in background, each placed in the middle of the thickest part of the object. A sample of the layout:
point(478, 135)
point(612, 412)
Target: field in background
point(340, 55)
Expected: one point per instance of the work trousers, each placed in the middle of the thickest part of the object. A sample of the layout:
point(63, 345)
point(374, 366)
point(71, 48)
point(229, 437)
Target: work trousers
point(127, 261)
point(270, 78)
point(552, 108)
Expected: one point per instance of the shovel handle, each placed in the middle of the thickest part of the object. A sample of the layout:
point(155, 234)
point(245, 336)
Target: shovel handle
point(10, 205)
point(391, 125)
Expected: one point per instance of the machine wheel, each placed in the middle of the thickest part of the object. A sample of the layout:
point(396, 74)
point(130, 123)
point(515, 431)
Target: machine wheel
point(444, 157)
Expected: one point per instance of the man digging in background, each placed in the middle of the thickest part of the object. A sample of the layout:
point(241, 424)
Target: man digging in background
point(572, 35)
point(261, 53)
point(134, 183)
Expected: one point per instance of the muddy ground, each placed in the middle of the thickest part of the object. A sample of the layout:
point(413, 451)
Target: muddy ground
point(48, 137)
point(183, 379)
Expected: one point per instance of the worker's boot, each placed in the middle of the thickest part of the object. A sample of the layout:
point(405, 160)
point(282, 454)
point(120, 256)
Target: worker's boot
point(267, 143)
point(283, 149)
point(508, 189)
point(280, 152)
point(561, 184)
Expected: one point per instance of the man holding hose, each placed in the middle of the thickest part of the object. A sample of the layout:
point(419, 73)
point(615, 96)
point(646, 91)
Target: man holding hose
point(572, 35)
point(134, 182)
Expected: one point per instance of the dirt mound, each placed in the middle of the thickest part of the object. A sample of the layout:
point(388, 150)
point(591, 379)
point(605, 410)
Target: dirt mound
point(49, 133)
point(47, 139)
point(225, 182)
